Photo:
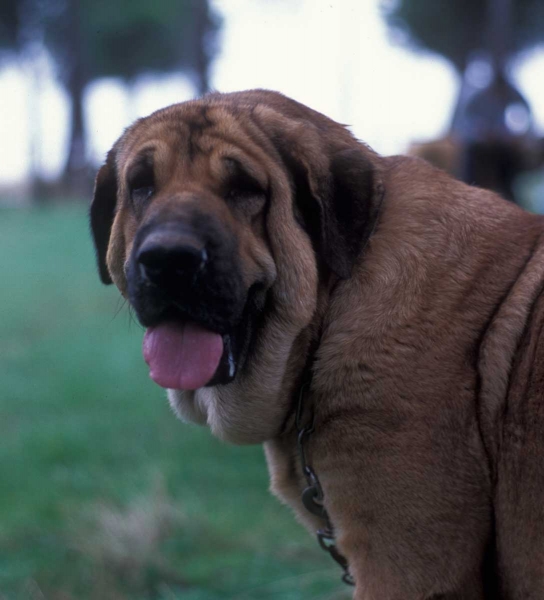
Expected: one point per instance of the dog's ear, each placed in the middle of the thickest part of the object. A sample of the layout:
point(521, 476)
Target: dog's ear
point(338, 206)
point(337, 187)
point(103, 212)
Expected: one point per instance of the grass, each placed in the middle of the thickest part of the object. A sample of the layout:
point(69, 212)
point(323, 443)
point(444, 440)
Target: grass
point(103, 493)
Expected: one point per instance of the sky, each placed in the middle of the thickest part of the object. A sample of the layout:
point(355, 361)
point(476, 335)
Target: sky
point(333, 55)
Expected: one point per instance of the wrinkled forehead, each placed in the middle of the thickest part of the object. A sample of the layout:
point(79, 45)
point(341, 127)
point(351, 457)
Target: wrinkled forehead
point(184, 134)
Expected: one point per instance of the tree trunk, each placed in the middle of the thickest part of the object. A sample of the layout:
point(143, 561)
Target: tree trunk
point(200, 40)
point(76, 163)
point(76, 173)
point(499, 32)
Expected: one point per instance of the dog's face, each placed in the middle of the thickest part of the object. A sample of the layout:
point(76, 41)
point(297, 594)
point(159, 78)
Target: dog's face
point(224, 221)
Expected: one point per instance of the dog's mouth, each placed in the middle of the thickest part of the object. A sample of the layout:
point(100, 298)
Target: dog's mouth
point(185, 355)
point(185, 283)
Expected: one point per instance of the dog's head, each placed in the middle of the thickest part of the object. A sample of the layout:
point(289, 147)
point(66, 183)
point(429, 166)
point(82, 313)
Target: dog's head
point(222, 220)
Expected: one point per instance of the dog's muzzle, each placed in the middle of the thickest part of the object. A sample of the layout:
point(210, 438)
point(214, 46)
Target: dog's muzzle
point(185, 284)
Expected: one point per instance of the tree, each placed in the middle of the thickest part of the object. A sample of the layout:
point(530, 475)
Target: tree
point(89, 39)
point(21, 41)
point(9, 26)
point(457, 28)
point(98, 38)
point(491, 125)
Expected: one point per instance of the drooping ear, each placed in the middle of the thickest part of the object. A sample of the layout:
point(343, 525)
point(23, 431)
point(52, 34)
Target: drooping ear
point(103, 211)
point(347, 204)
point(337, 189)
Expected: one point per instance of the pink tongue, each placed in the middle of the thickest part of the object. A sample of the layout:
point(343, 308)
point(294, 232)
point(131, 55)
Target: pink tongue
point(182, 356)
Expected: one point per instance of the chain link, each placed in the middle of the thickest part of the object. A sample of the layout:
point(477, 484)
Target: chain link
point(312, 496)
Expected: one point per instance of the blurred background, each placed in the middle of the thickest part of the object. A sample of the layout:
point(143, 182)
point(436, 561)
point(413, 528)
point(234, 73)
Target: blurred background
point(103, 494)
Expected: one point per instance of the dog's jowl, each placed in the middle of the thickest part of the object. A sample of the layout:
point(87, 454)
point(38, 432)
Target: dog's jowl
point(266, 250)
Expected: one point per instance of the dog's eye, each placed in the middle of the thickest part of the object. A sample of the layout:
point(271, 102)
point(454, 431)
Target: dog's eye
point(241, 184)
point(141, 181)
point(140, 195)
point(237, 192)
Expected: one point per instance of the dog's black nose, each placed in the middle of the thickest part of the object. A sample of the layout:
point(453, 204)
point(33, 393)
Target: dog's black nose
point(167, 258)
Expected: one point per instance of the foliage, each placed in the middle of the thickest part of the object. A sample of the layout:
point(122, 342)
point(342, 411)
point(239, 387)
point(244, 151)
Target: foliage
point(457, 28)
point(89, 39)
point(122, 38)
point(9, 25)
point(128, 37)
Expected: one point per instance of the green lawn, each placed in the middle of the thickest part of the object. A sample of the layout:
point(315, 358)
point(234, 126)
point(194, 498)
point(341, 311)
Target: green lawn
point(103, 493)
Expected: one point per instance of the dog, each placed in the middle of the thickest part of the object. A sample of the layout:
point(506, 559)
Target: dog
point(376, 324)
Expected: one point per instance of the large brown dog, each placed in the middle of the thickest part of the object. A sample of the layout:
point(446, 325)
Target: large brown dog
point(258, 241)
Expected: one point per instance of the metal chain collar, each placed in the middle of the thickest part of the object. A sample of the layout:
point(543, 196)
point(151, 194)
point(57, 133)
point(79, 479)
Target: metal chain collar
point(312, 496)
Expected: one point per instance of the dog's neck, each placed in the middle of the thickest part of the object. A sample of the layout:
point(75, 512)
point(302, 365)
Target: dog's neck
point(283, 463)
point(286, 455)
